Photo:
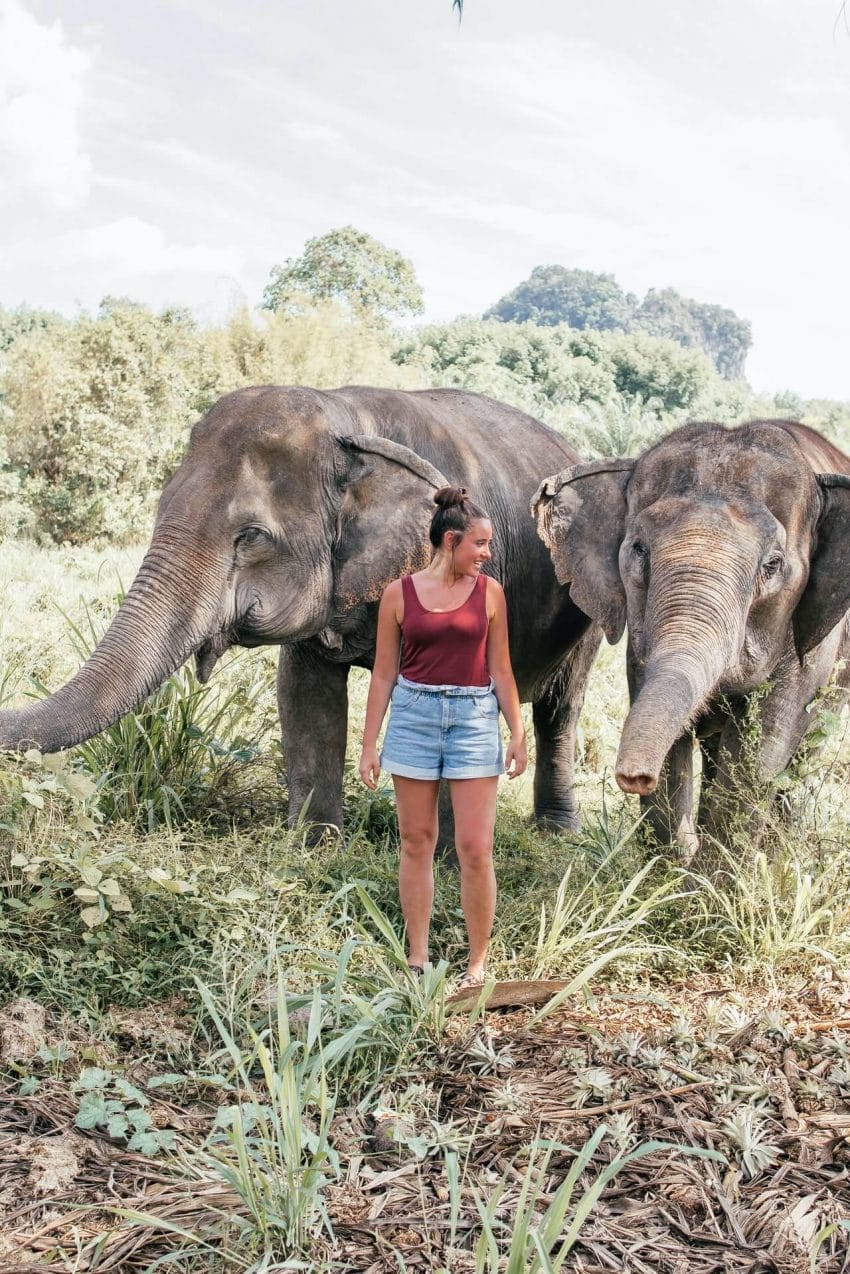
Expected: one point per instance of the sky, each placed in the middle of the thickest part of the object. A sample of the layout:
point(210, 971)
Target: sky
point(174, 152)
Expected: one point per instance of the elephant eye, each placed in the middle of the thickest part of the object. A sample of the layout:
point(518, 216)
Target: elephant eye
point(771, 566)
point(251, 535)
point(637, 561)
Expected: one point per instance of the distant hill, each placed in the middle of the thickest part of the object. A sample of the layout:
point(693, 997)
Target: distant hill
point(553, 294)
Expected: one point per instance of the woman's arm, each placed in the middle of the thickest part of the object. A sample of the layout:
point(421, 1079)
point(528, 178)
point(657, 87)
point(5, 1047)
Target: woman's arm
point(499, 665)
point(384, 673)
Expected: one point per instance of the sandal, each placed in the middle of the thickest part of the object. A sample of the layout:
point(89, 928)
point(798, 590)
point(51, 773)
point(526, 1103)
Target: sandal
point(416, 969)
point(472, 982)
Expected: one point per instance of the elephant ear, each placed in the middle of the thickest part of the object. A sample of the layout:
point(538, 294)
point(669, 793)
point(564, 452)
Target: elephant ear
point(581, 515)
point(827, 594)
point(387, 506)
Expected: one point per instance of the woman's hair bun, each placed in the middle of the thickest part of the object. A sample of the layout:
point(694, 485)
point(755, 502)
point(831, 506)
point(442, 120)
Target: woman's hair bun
point(448, 497)
point(455, 512)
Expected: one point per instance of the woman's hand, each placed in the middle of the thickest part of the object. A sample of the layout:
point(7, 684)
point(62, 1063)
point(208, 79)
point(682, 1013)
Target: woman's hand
point(370, 767)
point(516, 757)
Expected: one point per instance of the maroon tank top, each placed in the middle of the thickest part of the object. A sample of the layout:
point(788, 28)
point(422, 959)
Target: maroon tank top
point(445, 648)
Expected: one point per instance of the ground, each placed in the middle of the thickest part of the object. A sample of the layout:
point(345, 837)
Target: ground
point(667, 1067)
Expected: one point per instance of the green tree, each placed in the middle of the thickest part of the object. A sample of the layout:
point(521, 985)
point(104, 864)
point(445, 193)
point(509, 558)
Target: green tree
point(324, 345)
point(96, 414)
point(22, 321)
point(535, 368)
point(346, 265)
point(553, 294)
point(659, 373)
point(718, 331)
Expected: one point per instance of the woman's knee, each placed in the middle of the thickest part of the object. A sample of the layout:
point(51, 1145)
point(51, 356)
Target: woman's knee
point(475, 854)
point(418, 843)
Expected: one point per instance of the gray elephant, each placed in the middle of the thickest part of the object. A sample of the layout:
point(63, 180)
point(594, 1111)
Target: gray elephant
point(726, 551)
point(290, 512)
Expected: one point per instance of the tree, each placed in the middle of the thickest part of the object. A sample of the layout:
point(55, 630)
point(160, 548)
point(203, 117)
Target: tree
point(659, 373)
point(96, 414)
point(724, 336)
point(24, 320)
point(346, 265)
point(553, 294)
point(532, 367)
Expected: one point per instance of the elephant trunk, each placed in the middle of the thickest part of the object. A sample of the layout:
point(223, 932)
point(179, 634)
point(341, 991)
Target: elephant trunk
point(693, 633)
point(165, 616)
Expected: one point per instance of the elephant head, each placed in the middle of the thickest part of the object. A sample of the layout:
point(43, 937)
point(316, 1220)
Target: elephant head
point(282, 522)
point(720, 548)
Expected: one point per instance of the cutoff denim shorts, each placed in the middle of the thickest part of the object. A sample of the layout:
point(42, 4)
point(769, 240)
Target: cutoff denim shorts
point(443, 732)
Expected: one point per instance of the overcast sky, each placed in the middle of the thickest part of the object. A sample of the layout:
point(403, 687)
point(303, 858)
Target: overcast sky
point(174, 150)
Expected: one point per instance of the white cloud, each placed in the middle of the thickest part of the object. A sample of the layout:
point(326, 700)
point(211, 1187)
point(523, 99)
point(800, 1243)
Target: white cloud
point(704, 148)
point(303, 131)
point(127, 256)
point(41, 93)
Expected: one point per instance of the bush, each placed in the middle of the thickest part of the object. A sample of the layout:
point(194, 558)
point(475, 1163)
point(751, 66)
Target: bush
point(96, 418)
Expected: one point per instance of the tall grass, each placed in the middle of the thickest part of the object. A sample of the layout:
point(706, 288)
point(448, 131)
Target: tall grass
point(540, 1233)
point(160, 764)
point(273, 1147)
point(773, 913)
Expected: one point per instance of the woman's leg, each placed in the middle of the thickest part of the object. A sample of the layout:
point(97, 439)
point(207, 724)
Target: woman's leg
point(416, 803)
point(474, 804)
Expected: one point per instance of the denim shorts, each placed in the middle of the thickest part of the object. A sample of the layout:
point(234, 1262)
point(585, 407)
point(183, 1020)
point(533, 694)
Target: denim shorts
point(443, 732)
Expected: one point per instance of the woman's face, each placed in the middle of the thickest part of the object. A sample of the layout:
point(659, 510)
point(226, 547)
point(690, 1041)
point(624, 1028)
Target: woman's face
point(472, 549)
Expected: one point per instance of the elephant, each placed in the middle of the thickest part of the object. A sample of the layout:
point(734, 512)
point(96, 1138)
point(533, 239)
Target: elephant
point(289, 513)
point(725, 549)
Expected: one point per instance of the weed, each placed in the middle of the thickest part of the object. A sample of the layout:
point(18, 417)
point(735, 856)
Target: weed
point(538, 1239)
point(110, 1102)
point(745, 1131)
point(596, 919)
point(773, 914)
point(159, 764)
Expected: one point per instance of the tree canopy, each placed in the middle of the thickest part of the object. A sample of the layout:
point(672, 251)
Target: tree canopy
point(553, 294)
point(346, 265)
point(718, 331)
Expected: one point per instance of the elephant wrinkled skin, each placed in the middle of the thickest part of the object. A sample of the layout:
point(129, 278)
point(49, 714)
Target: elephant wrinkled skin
point(725, 550)
point(290, 512)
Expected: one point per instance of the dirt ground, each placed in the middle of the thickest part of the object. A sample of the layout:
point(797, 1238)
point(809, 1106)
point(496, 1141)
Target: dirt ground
point(762, 1078)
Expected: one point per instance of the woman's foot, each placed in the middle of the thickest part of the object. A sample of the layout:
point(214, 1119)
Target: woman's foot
point(473, 979)
point(416, 969)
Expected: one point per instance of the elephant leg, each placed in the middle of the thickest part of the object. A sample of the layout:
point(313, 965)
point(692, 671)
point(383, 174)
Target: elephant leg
point(446, 835)
point(764, 733)
point(312, 698)
point(669, 811)
point(785, 718)
point(710, 749)
point(761, 736)
point(555, 714)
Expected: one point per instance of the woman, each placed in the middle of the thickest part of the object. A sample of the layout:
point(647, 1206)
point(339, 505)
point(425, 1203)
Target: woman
point(442, 657)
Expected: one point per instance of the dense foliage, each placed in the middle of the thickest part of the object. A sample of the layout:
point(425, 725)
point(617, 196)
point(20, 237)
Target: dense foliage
point(350, 266)
point(713, 328)
point(552, 295)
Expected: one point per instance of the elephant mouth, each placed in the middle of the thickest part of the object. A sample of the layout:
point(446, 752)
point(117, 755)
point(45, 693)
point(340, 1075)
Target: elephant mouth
point(210, 651)
point(208, 654)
